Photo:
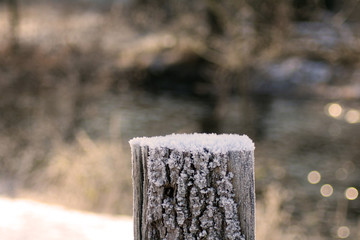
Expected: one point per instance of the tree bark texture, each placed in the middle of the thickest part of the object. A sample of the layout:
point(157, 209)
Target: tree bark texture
point(193, 195)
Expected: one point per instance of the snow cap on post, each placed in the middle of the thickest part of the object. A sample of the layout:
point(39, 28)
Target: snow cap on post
point(197, 142)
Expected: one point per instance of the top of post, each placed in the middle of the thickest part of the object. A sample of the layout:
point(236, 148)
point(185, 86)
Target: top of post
point(197, 142)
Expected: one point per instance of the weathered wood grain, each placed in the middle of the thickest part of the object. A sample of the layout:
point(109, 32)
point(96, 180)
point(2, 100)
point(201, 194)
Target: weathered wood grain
point(187, 195)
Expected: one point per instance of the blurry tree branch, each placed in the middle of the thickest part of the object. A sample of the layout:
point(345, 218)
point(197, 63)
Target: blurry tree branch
point(14, 18)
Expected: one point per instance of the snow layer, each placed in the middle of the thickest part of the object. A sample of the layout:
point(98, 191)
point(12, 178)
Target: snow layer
point(197, 142)
point(25, 219)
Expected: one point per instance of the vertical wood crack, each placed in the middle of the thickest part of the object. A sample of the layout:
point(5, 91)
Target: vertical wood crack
point(193, 195)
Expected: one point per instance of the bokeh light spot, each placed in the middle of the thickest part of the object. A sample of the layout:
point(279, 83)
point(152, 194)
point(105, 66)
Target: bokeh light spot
point(351, 193)
point(314, 177)
point(352, 116)
point(343, 232)
point(334, 110)
point(326, 190)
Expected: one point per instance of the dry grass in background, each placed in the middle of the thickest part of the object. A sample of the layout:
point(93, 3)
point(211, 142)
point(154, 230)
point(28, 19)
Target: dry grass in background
point(272, 221)
point(44, 151)
point(89, 175)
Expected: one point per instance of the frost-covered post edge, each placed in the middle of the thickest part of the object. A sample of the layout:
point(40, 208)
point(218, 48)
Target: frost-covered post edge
point(193, 186)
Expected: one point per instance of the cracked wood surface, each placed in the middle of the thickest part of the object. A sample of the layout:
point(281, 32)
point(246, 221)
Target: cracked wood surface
point(183, 195)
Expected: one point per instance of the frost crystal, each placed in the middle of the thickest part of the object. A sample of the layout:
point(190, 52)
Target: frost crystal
point(197, 142)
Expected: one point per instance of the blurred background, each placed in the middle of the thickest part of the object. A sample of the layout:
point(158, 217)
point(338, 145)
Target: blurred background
point(79, 78)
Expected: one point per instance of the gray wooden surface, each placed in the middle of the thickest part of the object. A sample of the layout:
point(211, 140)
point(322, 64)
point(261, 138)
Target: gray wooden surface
point(181, 195)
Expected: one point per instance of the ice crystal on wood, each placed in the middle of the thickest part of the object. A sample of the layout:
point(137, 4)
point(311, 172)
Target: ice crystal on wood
point(190, 196)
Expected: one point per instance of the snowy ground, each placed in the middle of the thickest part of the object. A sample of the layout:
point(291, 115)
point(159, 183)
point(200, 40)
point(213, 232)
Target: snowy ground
point(28, 220)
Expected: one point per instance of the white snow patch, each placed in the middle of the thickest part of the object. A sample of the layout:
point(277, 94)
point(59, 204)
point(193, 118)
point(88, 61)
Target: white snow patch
point(24, 219)
point(197, 142)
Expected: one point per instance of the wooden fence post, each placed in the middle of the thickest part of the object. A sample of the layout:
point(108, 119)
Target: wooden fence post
point(193, 186)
